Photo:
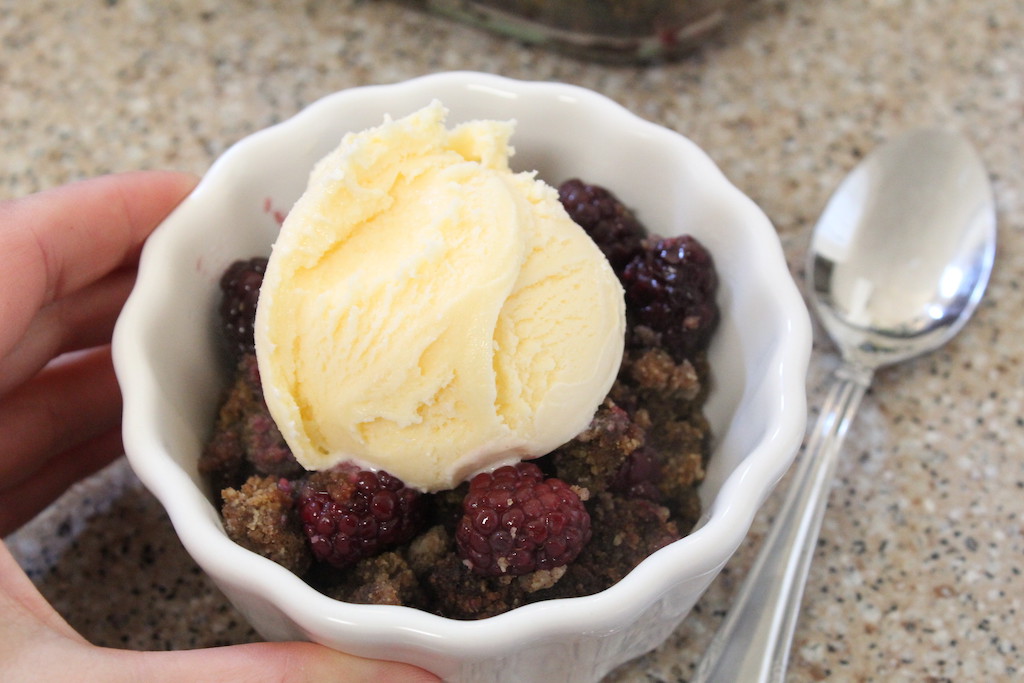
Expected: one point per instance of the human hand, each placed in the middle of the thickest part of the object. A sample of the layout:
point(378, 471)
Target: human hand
point(68, 263)
point(69, 258)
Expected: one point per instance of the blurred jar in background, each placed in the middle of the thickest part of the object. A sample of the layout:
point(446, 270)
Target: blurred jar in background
point(624, 31)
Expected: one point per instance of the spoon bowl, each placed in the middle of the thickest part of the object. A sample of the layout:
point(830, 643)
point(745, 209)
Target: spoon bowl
point(897, 264)
point(886, 280)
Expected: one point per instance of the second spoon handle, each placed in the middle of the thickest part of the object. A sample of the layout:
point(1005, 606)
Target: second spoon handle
point(752, 645)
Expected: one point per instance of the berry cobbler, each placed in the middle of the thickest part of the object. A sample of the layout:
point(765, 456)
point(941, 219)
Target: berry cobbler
point(567, 524)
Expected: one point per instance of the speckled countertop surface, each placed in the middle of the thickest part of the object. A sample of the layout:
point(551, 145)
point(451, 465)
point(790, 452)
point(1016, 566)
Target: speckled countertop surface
point(918, 571)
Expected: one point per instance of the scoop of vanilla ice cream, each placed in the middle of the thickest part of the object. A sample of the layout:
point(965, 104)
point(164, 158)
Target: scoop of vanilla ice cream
point(428, 312)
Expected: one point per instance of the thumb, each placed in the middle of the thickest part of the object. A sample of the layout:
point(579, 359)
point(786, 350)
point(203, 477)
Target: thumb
point(37, 644)
point(259, 662)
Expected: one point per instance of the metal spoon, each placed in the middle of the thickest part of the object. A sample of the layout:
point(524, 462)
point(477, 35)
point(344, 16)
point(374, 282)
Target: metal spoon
point(897, 263)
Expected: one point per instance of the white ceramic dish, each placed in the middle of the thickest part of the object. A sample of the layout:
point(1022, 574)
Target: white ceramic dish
point(166, 357)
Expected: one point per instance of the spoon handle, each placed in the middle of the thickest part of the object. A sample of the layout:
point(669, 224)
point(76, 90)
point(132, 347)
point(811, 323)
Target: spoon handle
point(753, 642)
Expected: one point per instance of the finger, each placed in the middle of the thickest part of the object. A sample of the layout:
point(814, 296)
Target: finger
point(24, 501)
point(82, 320)
point(23, 607)
point(257, 662)
point(60, 240)
point(68, 403)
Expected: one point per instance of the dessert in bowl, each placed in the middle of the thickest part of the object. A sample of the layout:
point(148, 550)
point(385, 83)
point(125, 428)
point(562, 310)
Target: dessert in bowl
point(173, 372)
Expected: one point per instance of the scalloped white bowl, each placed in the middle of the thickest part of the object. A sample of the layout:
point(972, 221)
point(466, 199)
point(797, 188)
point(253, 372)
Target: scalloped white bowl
point(167, 361)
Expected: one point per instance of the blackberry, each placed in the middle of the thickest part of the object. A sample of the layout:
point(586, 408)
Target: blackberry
point(515, 522)
point(246, 439)
point(240, 288)
point(639, 476)
point(670, 290)
point(348, 514)
point(608, 221)
point(263, 442)
point(266, 448)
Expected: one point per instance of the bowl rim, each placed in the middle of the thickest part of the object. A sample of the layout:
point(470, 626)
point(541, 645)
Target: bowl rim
point(701, 552)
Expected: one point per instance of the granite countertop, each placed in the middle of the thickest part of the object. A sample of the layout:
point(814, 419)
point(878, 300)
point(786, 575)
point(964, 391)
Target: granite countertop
point(918, 570)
